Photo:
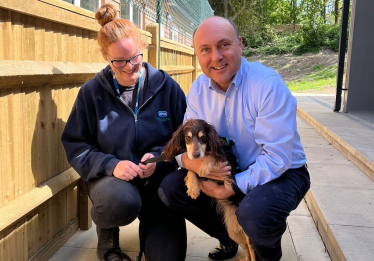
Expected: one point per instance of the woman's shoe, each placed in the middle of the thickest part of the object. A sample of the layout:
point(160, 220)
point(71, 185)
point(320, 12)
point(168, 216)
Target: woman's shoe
point(108, 245)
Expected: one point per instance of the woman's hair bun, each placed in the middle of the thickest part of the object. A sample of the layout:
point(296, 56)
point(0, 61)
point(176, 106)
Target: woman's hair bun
point(105, 14)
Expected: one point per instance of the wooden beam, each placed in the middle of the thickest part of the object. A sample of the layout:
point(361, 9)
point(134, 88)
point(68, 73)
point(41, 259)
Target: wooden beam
point(23, 205)
point(36, 73)
point(178, 69)
point(46, 10)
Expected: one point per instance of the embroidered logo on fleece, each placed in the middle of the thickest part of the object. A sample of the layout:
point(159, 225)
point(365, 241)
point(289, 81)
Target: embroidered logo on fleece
point(163, 116)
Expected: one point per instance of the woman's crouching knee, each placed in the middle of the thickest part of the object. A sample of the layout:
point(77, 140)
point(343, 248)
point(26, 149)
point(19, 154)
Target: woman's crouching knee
point(116, 210)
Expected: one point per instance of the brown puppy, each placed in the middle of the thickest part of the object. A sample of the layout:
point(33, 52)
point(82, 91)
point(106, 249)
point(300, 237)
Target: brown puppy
point(199, 139)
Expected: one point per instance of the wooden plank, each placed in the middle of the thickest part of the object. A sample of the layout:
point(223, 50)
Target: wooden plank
point(32, 226)
point(178, 69)
point(31, 100)
point(21, 206)
point(57, 42)
point(3, 147)
point(7, 34)
point(40, 73)
point(17, 128)
point(49, 41)
point(28, 38)
point(57, 242)
point(78, 45)
point(64, 42)
point(84, 44)
point(39, 40)
point(39, 146)
point(16, 39)
point(53, 13)
point(9, 151)
point(49, 135)
point(2, 32)
point(15, 243)
point(72, 44)
point(44, 224)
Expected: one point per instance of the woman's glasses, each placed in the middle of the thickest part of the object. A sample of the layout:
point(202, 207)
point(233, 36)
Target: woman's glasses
point(122, 63)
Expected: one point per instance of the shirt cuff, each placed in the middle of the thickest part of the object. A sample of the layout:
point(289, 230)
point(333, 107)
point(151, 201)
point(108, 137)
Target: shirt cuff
point(242, 182)
point(178, 158)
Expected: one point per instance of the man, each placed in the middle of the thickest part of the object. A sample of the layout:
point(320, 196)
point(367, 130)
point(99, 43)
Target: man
point(251, 105)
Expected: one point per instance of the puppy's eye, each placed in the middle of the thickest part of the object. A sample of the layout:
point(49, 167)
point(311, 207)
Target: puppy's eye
point(204, 139)
point(188, 139)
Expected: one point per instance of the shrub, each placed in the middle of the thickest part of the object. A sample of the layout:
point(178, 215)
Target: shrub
point(307, 39)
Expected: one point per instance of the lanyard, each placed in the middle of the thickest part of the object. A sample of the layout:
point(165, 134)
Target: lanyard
point(137, 95)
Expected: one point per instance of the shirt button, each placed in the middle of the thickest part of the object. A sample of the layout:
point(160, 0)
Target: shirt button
point(230, 120)
point(227, 99)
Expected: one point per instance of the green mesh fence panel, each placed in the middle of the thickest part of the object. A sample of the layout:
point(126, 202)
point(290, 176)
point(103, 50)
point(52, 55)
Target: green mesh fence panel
point(181, 15)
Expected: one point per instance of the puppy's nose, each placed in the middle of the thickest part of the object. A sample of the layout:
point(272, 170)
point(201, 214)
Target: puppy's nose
point(196, 154)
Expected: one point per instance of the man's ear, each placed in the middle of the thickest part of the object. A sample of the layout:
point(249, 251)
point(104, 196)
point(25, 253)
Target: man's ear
point(240, 43)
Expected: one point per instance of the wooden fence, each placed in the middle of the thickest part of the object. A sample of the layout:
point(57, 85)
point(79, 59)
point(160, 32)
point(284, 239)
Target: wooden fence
point(47, 50)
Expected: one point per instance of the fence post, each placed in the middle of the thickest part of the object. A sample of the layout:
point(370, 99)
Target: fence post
point(153, 54)
point(85, 205)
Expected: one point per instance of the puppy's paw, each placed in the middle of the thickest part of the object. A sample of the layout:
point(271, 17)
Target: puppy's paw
point(193, 192)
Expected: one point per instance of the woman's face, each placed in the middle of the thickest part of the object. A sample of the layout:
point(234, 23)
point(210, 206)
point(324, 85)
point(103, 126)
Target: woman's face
point(124, 50)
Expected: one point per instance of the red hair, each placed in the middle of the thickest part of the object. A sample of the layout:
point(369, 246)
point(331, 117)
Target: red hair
point(115, 29)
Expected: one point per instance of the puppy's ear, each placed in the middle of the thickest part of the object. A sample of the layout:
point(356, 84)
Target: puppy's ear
point(176, 145)
point(215, 144)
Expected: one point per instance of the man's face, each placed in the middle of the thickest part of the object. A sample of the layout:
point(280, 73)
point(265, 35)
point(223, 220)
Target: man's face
point(219, 50)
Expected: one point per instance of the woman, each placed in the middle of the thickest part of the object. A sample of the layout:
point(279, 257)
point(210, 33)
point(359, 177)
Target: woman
point(122, 117)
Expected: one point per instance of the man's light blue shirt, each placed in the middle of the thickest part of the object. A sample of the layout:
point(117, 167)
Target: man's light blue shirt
point(258, 112)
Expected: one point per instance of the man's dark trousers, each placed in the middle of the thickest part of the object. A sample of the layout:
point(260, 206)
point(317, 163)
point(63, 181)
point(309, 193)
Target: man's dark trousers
point(262, 213)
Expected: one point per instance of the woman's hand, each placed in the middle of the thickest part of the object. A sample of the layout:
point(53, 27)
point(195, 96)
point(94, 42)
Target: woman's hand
point(148, 169)
point(127, 170)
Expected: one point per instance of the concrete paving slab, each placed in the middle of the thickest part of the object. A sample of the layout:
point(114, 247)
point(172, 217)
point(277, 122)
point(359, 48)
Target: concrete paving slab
point(356, 242)
point(325, 156)
point(82, 246)
point(338, 175)
point(348, 207)
point(306, 239)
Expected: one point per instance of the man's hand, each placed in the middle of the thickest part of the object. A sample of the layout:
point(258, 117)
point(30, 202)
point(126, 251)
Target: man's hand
point(215, 190)
point(126, 170)
point(148, 169)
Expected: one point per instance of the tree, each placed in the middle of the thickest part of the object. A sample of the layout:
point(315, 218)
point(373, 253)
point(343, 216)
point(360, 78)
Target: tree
point(230, 9)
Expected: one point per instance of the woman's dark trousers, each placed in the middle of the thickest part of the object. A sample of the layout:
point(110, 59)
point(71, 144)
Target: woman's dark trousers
point(117, 203)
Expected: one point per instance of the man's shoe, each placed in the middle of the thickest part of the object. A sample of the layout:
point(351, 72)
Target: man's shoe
point(224, 251)
point(108, 245)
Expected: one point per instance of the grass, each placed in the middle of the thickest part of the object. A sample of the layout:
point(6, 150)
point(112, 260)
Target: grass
point(317, 80)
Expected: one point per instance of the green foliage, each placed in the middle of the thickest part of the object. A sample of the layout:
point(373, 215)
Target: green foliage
point(307, 39)
point(254, 24)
